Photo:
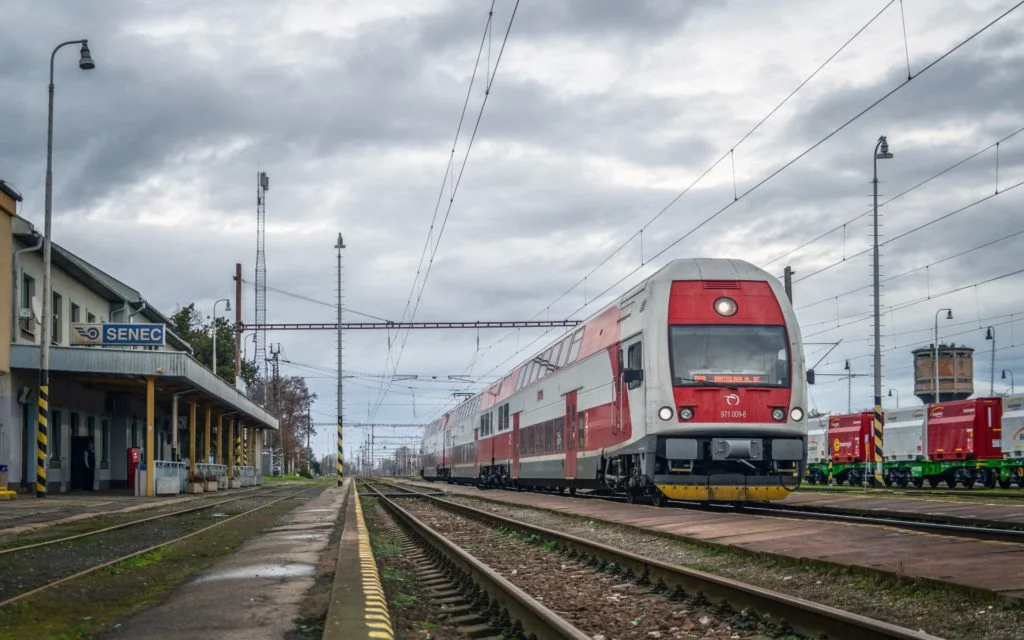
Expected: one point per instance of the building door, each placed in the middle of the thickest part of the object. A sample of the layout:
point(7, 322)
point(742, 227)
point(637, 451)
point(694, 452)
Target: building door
point(569, 439)
point(78, 448)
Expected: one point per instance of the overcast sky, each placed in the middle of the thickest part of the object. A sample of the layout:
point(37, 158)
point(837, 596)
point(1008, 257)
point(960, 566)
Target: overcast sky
point(601, 113)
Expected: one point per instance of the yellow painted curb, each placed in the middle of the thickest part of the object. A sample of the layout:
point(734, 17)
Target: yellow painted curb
point(376, 615)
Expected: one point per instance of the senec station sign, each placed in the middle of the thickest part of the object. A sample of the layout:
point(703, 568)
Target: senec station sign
point(118, 334)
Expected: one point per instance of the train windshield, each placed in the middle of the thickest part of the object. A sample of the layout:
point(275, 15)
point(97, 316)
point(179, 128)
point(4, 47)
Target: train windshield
point(729, 355)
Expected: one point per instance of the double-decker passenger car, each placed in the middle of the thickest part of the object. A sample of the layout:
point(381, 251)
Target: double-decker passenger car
point(690, 386)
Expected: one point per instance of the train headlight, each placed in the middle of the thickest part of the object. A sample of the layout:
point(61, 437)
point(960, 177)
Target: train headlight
point(797, 414)
point(686, 413)
point(778, 414)
point(725, 306)
point(665, 413)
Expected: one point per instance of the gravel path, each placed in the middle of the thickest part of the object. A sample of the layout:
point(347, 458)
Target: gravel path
point(937, 610)
point(23, 571)
point(603, 605)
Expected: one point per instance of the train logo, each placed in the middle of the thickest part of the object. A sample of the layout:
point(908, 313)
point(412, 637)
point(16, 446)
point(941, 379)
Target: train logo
point(732, 400)
point(936, 412)
point(836, 445)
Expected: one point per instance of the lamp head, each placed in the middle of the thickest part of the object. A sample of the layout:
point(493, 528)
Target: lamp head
point(85, 62)
point(847, 367)
point(227, 307)
point(949, 314)
point(890, 393)
point(1004, 374)
point(990, 334)
point(883, 151)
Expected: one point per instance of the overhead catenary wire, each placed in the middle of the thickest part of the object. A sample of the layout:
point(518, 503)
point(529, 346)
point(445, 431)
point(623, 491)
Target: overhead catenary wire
point(773, 174)
point(457, 180)
point(892, 199)
point(730, 153)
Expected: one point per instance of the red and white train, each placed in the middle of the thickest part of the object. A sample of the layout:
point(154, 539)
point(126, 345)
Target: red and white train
point(691, 386)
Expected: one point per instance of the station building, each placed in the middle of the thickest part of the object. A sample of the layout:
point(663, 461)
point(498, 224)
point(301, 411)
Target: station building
point(118, 397)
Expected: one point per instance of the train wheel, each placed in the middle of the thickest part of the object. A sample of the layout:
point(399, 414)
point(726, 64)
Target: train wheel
point(658, 498)
point(917, 482)
point(630, 496)
point(951, 483)
point(933, 482)
point(572, 491)
point(989, 478)
point(1004, 484)
point(902, 482)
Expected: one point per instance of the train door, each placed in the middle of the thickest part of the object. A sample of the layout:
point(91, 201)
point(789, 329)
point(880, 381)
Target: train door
point(569, 439)
point(515, 446)
point(632, 390)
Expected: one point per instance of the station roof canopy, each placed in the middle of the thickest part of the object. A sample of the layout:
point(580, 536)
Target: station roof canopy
point(126, 370)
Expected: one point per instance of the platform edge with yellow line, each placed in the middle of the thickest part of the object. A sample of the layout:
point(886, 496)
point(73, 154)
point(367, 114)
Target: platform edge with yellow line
point(358, 606)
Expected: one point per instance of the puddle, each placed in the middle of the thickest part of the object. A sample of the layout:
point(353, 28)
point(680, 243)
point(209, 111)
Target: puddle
point(218, 515)
point(261, 571)
point(316, 510)
point(303, 536)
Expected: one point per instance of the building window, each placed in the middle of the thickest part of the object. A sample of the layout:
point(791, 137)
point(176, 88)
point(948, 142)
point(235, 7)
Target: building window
point(58, 319)
point(55, 433)
point(105, 436)
point(76, 313)
point(90, 317)
point(28, 291)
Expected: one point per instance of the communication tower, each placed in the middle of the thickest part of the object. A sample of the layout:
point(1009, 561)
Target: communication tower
point(262, 186)
point(956, 372)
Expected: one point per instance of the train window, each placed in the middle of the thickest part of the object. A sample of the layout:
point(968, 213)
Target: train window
point(555, 353)
point(634, 360)
point(559, 428)
point(563, 355)
point(574, 348)
point(580, 424)
point(729, 355)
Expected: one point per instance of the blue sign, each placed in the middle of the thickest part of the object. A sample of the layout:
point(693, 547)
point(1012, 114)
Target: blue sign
point(118, 334)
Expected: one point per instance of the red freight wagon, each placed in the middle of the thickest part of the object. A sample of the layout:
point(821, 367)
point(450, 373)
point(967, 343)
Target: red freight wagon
point(965, 429)
point(846, 434)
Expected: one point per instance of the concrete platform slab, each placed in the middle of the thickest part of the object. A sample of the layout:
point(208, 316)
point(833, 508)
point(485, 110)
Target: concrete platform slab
point(254, 593)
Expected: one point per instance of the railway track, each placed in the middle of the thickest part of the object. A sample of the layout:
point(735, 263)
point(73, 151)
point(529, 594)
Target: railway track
point(24, 577)
point(643, 577)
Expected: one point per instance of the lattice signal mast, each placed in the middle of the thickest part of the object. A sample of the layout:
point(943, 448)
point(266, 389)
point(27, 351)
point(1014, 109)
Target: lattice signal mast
point(262, 186)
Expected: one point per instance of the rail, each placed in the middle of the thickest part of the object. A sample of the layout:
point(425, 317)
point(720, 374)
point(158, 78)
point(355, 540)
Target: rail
point(533, 616)
point(806, 617)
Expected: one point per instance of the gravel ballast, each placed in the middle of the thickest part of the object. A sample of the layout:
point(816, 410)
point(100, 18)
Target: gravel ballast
point(934, 609)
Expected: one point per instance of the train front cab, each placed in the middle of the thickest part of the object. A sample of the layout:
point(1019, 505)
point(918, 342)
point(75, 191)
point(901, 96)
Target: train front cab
point(725, 399)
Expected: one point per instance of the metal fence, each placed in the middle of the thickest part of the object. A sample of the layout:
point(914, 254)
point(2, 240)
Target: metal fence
point(218, 470)
point(170, 469)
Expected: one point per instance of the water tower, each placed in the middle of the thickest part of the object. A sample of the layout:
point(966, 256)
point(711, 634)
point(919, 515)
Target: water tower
point(956, 373)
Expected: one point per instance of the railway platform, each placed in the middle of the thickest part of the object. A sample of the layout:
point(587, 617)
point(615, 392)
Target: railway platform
point(21, 516)
point(982, 566)
point(358, 608)
point(976, 510)
point(256, 592)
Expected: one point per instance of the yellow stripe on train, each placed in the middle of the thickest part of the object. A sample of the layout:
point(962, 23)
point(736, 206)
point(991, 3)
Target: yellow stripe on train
point(726, 493)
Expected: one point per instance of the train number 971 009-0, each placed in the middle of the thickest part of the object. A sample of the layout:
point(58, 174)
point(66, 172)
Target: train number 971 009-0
point(734, 413)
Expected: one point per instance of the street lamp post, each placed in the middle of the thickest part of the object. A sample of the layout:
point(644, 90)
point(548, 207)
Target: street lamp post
point(341, 440)
point(897, 396)
point(227, 307)
point(1007, 371)
point(85, 63)
point(881, 153)
point(935, 355)
point(990, 334)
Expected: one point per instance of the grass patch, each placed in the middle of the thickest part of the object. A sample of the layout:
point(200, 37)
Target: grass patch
point(93, 603)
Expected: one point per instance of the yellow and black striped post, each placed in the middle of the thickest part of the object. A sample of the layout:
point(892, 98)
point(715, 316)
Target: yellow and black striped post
point(341, 453)
point(878, 441)
point(42, 440)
